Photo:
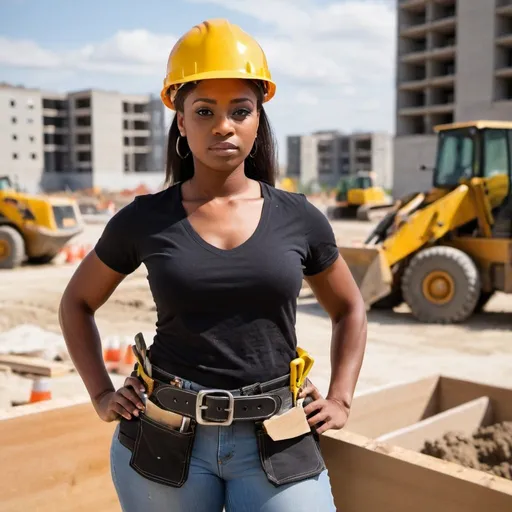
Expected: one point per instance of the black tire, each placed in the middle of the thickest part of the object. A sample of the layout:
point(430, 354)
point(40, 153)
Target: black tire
point(465, 291)
point(41, 260)
point(16, 248)
point(394, 299)
point(484, 298)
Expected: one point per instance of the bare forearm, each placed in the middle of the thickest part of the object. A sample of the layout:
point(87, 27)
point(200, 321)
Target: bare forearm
point(347, 352)
point(84, 346)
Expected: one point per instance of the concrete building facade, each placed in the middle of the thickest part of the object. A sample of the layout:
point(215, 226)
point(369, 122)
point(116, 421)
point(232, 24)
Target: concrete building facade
point(52, 141)
point(326, 156)
point(454, 64)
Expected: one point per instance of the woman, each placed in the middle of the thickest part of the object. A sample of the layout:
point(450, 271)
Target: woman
point(226, 254)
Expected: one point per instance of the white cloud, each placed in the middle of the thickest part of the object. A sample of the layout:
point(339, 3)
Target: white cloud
point(342, 53)
point(333, 63)
point(126, 52)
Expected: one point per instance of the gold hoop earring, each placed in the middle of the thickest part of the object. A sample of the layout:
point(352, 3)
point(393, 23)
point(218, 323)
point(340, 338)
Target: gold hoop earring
point(254, 148)
point(178, 149)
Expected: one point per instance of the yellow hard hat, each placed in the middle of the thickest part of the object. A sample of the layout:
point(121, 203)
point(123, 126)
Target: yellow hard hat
point(215, 49)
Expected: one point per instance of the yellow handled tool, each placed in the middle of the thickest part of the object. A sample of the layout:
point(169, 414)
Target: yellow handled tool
point(296, 371)
point(299, 369)
point(308, 364)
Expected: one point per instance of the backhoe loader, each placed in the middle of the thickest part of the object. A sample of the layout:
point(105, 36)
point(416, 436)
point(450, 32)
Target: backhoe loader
point(357, 197)
point(34, 227)
point(446, 251)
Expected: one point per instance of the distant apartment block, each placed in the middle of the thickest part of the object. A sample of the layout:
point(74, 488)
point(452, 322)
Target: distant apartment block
point(454, 63)
point(324, 157)
point(52, 141)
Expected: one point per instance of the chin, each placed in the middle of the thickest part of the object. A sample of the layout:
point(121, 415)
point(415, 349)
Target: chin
point(223, 164)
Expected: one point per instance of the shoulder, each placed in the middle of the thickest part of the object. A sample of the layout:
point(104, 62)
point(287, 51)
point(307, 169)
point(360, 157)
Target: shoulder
point(283, 198)
point(149, 202)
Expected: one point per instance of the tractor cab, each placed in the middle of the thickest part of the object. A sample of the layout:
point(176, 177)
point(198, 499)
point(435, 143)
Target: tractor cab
point(480, 149)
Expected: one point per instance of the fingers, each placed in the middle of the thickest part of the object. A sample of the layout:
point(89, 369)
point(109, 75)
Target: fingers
point(132, 397)
point(317, 418)
point(128, 400)
point(326, 426)
point(313, 406)
point(123, 406)
point(310, 389)
point(136, 384)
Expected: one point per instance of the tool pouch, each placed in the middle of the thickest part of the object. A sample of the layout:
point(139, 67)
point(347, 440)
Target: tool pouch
point(161, 453)
point(289, 460)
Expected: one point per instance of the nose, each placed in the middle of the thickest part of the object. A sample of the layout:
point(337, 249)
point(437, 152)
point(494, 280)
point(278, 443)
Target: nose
point(223, 126)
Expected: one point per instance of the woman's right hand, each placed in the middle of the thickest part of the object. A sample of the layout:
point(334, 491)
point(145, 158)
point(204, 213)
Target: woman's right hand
point(125, 402)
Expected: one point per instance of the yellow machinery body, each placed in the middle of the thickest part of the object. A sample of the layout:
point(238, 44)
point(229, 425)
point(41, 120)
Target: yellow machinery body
point(446, 251)
point(34, 227)
point(358, 197)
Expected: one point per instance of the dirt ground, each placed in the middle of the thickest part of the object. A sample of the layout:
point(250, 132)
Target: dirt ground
point(489, 449)
point(399, 348)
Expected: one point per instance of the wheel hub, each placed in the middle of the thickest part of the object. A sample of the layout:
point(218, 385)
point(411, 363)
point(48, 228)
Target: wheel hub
point(4, 249)
point(438, 287)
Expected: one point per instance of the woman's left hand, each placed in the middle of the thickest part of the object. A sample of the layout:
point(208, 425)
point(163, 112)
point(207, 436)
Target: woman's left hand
point(332, 413)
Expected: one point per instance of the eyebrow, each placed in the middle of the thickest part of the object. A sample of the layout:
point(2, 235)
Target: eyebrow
point(214, 102)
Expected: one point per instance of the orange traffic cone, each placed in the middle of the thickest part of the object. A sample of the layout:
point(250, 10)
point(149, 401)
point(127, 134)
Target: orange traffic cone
point(70, 255)
point(82, 252)
point(128, 361)
point(112, 353)
point(40, 390)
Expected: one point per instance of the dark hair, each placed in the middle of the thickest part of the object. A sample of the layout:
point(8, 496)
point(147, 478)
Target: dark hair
point(261, 165)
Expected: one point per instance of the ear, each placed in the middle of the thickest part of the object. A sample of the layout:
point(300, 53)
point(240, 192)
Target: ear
point(181, 123)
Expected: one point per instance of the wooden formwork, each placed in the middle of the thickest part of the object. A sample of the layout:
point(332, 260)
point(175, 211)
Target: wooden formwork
point(375, 462)
point(55, 454)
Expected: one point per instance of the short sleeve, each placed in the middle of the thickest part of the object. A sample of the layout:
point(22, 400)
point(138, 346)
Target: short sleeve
point(117, 246)
point(322, 250)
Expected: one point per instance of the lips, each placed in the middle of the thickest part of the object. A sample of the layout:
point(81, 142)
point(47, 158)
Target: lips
point(223, 146)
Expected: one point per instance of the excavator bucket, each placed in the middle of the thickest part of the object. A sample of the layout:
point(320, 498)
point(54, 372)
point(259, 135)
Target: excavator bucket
point(370, 271)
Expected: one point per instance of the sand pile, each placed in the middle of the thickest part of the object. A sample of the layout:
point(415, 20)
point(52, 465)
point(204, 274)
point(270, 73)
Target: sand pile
point(488, 449)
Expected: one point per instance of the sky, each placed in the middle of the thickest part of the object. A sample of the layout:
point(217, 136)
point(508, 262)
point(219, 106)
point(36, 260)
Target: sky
point(333, 61)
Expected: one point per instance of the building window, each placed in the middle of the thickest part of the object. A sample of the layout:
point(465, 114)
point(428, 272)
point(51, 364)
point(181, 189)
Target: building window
point(14, 120)
point(82, 103)
point(14, 137)
point(15, 156)
point(31, 138)
point(13, 103)
point(30, 120)
point(33, 156)
point(30, 104)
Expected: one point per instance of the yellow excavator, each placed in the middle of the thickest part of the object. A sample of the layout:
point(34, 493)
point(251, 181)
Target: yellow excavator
point(34, 228)
point(446, 251)
point(357, 197)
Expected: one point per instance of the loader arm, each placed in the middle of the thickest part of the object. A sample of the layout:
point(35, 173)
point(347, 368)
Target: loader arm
point(431, 223)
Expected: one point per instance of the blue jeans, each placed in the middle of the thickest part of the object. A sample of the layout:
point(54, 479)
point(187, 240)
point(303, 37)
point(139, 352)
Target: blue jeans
point(225, 471)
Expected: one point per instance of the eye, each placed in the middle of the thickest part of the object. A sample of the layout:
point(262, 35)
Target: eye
point(203, 111)
point(242, 112)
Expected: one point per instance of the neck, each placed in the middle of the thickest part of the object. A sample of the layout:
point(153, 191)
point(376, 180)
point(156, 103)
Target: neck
point(207, 183)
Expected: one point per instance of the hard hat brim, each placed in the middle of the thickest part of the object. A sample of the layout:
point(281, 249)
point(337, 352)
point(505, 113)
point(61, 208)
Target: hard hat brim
point(209, 75)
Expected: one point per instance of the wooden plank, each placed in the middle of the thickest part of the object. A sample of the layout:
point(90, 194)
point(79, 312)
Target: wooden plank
point(380, 410)
point(35, 365)
point(465, 418)
point(367, 475)
point(56, 461)
point(453, 392)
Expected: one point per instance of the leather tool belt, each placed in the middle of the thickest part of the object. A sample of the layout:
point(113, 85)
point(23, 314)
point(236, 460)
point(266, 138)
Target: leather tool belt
point(221, 407)
point(162, 454)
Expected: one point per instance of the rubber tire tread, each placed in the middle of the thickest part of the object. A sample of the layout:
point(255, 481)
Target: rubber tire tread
point(463, 271)
point(17, 244)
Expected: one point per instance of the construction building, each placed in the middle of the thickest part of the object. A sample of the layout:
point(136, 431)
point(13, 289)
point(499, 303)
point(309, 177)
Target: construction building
point(324, 157)
point(53, 141)
point(454, 63)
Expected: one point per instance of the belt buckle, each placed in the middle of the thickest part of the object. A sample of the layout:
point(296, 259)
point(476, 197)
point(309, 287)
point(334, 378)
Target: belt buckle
point(200, 407)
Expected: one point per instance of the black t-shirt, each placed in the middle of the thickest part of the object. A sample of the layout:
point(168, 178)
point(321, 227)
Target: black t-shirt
point(225, 318)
